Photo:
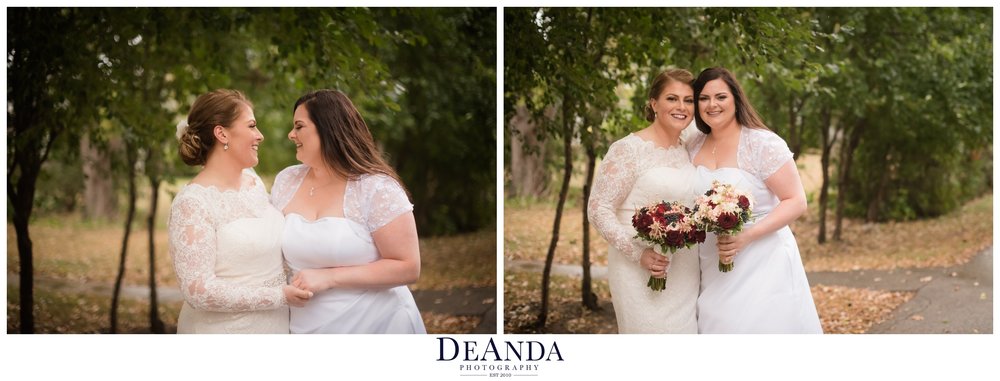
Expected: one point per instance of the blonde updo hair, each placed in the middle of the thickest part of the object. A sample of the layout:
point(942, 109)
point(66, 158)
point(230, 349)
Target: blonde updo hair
point(217, 108)
point(660, 82)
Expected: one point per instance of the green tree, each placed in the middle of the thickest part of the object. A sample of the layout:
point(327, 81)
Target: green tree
point(53, 84)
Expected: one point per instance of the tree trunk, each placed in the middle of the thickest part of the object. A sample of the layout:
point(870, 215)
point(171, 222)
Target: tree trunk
point(844, 182)
point(130, 162)
point(589, 298)
point(99, 198)
point(155, 324)
point(875, 205)
point(825, 132)
point(563, 191)
point(528, 173)
point(21, 196)
point(28, 157)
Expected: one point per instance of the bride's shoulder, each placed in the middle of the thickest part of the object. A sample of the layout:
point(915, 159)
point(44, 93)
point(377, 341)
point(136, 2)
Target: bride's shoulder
point(627, 143)
point(762, 135)
point(292, 171)
point(290, 174)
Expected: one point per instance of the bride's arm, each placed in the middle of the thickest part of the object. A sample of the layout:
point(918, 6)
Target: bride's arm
point(786, 185)
point(614, 180)
point(192, 245)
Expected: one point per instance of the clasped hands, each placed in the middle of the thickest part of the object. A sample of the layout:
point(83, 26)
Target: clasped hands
point(304, 285)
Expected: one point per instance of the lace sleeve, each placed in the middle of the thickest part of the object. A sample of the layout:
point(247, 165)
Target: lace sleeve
point(192, 243)
point(766, 153)
point(613, 181)
point(380, 199)
point(285, 184)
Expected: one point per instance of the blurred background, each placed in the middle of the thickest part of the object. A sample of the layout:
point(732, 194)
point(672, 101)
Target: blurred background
point(94, 95)
point(887, 110)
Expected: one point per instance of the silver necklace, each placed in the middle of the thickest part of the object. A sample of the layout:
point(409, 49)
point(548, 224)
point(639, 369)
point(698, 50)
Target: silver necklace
point(312, 189)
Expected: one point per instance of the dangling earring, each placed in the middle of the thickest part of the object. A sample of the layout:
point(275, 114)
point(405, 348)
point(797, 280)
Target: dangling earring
point(225, 147)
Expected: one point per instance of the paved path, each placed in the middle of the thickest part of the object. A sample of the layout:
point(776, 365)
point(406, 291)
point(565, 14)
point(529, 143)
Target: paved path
point(956, 299)
point(463, 301)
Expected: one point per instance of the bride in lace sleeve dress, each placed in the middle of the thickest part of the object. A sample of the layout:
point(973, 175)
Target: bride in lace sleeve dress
point(223, 234)
point(645, 167)
point(767, 291)
point(350, 234)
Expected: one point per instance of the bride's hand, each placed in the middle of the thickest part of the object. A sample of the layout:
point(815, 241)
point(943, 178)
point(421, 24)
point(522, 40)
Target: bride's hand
point(295, 296)
point(655, 263)
point(730, 245)
point(311, 280)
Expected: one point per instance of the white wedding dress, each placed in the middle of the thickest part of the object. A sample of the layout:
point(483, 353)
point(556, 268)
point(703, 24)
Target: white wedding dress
point(636, 173)
point(226, 249)
point(767, 290)
point(370, 202)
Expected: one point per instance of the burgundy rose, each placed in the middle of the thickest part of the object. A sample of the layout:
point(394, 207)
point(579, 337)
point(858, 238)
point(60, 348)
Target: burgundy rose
point(675, 238)
point(642, 223)
point(662, 208)
point(728, 220)
point(744, 202)
point(700, 236)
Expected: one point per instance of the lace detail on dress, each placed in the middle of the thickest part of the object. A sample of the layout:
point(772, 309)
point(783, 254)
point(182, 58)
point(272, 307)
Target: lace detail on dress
point(375, 200)
point(626, 159)
point(371, 200)
point(762, 152)
point(195, 217)
point(286, 183)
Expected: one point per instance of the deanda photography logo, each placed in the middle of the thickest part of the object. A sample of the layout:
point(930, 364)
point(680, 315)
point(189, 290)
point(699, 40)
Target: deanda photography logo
point(498, 358)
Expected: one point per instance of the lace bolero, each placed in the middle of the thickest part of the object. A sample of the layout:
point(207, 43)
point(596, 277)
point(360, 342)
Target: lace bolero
point(196, 215)
point(372, 200)
point(760, 153)
point(625, 161)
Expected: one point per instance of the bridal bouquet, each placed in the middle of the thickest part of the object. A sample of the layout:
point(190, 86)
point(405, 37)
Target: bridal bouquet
point(723, 210)
point(667, 226)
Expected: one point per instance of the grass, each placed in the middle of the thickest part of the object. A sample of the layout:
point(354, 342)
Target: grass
point(522, 301)
point(70, 253)
point(62, 312)
point(948, 240)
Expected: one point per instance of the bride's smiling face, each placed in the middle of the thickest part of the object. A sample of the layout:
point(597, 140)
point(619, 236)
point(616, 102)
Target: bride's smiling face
point(716, 104)
point(306, 138)
point(244, 138)
point(675, 106)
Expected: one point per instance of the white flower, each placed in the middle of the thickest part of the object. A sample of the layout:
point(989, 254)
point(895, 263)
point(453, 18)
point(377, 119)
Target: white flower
point(181, 128)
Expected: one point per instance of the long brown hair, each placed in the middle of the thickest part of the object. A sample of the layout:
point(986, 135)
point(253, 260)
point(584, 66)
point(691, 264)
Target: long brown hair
point(660, 82)
point(746, 115)
point(346, 143)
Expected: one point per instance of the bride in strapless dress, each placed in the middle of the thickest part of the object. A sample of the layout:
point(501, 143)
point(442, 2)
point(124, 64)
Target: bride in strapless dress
point(350, 234)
